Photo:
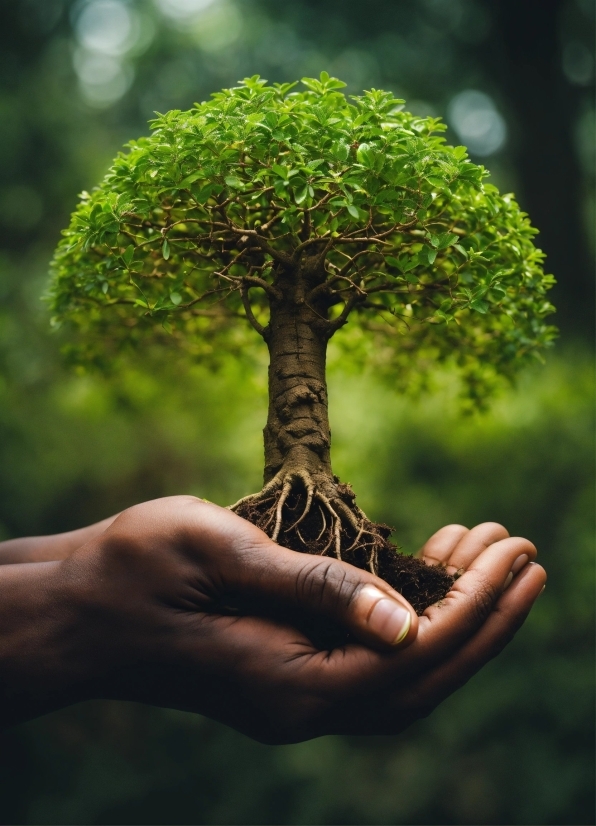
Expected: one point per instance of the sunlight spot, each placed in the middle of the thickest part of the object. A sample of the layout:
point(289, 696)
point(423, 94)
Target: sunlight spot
point(106, 26)
point(477, 122)
point(183, 10)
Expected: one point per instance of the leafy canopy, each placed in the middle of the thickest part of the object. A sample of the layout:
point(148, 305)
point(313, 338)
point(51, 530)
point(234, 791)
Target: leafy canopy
point(192, 226)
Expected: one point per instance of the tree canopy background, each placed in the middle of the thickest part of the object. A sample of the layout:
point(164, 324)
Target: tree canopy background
point(515, 83)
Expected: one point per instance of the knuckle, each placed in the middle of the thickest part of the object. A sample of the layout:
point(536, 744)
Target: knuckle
point(454, 528)
point(121, 545)
point(326, 583)
point(494, 529)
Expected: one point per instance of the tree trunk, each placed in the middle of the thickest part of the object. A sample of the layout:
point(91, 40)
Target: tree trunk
point(297, 435)
point(302, 505)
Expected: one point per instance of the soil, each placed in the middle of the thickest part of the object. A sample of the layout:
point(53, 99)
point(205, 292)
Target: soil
point(421, 584)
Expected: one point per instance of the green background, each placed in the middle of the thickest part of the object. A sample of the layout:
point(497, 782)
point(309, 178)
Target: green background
point(515, 746)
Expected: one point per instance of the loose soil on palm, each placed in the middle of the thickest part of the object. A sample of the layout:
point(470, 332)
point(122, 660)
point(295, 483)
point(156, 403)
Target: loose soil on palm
point(421, 584)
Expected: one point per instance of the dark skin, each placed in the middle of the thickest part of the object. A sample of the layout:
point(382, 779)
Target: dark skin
point(182, 604)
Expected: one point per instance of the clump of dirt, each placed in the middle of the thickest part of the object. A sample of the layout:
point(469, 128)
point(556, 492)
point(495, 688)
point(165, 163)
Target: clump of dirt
point(364, 544)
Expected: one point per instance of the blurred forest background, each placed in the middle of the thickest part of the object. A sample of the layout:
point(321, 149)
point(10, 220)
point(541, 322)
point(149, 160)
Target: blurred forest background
point(515, 82)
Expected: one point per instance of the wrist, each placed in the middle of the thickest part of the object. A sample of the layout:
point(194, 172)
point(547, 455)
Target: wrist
point(43, 662)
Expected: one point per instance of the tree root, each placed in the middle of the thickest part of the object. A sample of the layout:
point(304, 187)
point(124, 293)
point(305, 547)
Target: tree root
point(320, 516)
point(339, 524)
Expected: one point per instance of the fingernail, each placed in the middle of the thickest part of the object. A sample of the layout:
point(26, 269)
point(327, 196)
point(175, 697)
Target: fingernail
point(519, 563)
point(386, 618)
point(508, 580)
point(542, 590)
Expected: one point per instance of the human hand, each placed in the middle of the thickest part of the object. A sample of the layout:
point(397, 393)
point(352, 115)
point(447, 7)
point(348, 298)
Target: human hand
point(49, 548)
point(498, 584)
point(153, 598)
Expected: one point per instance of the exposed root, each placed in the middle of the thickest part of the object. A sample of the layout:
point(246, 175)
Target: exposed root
point(310, 492)
point(322, 531)
point(270, 487)
point(285, 510)
point(337, 525)
point(285, 492)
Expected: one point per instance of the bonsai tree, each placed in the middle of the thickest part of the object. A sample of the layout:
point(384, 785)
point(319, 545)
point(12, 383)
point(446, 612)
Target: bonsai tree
point(293, 213)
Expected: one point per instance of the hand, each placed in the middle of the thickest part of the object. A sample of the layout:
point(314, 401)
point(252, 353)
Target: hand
point(149, 618)
point(49, 548)
point(456, 637)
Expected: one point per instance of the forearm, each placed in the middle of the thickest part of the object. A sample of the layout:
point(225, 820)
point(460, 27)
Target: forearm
point(50, 548)
point(43, 663)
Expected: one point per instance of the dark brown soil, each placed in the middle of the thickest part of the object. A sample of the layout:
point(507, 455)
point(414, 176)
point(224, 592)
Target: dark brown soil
point(421, 584)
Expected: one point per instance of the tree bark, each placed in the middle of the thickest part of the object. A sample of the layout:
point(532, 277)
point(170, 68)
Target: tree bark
point(297, 435)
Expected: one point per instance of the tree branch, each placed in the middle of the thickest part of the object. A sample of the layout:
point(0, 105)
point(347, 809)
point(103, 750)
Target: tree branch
point(305, 230)
point(339, 322)
point(262, 331)
point(277, 255)
point(252, 280)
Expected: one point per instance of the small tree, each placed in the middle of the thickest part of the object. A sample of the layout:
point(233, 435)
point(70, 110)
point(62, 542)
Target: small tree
point(296, 212)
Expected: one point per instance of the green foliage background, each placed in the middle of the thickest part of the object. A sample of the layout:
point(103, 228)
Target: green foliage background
point(515, 746)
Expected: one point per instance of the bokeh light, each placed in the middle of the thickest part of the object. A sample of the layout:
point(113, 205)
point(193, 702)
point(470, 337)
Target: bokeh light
point(107, 33)
point(183, 10)
point(106, 26)
point(578, 63)
point(477, 122)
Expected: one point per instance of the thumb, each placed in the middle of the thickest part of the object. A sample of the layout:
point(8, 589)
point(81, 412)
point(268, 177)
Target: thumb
point(313, 586)
point(319, 586)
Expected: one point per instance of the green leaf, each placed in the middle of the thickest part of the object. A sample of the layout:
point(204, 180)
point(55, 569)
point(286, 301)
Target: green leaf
point(445, 317)
point(461, 250)
point(300, 196)
point(282, 171)
point(175, 298)
point(354, 211)
point(128, 255)
point(234, 182)
point(104, 287)
point(446, 239)
point(362, 153)
point(165, 249)
point(190, 179)
point(428, 254)
point(480, 306)
point(204, 194)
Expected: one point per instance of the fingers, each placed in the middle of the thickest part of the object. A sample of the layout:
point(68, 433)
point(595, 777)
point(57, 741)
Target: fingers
point(442, 543)
point(445, 626)
point(409, 700)
point(456, 546)
point(508, 615)
point(473, 543)
point(255, 570)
